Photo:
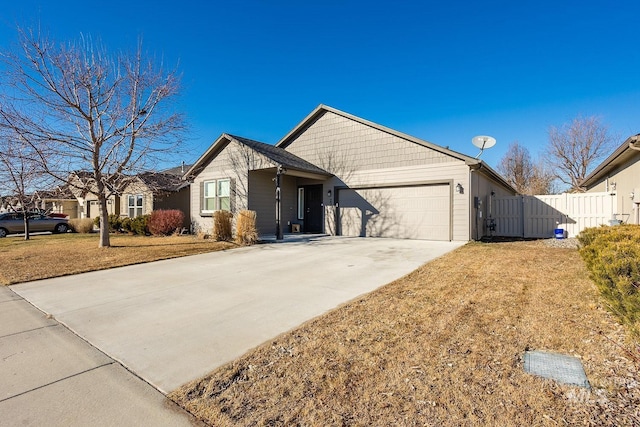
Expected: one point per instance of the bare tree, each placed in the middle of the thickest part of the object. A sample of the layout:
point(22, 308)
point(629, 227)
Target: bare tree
point(20, 174)
point(576, 147)
point(526, 176)
point(106, 116)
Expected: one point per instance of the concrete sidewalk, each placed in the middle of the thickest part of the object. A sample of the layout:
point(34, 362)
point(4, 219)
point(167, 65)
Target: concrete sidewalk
point(173, 321)
point(49, 376)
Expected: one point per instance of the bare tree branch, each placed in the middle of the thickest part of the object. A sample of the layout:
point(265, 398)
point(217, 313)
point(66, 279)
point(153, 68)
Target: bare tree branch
point(523, 174)
point(84, 110)
point(576, 147)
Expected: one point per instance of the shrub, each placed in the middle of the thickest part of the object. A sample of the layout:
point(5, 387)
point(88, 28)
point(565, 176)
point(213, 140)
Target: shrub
point(222, 225)
point(165, 221)
point(137, 225)
point(246, 232)
point(115, 223)
point(612, 256)
point(81, 225)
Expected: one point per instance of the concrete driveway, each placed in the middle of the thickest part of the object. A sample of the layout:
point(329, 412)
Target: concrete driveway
point(173, 321)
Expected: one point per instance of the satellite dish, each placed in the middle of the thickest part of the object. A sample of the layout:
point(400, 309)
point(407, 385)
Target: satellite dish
point(482, 142)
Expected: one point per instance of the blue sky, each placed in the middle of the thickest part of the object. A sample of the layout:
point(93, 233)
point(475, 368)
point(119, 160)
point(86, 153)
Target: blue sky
point(441, 71)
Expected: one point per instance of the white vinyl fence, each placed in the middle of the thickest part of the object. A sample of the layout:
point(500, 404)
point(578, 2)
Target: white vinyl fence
point(539, 216)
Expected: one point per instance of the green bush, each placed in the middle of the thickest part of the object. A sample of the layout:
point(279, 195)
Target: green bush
point(612, 256)
point(137, 225)
point(81, 225)
point(163, 222)
point(115, 223)
point(222, 226)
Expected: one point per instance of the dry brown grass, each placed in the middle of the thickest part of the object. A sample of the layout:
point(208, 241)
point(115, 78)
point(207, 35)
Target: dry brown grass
point(441, 346)
point(46, 256)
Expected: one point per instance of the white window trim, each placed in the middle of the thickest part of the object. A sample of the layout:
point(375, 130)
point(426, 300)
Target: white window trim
point(135, 206)
point(216, 196)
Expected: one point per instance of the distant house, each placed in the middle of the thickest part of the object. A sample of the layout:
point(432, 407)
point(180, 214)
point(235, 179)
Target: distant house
point(58, 200)
point(619, 174)
point(342, 175)
point(141, 194)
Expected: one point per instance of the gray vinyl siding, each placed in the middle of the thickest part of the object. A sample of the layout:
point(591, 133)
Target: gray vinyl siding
point(627, 180)
point(262, 199)
point(481, 187)
point(342, 146)
point(221, 167)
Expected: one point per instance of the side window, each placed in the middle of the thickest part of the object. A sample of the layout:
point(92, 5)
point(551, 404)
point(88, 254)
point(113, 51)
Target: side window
point(224, 195)
point(216, 195)
point(135, 204)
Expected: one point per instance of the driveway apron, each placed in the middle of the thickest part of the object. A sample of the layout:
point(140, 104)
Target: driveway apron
point(173, 321)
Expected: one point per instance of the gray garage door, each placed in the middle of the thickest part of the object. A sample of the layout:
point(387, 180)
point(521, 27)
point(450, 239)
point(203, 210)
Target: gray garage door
point(411, 212)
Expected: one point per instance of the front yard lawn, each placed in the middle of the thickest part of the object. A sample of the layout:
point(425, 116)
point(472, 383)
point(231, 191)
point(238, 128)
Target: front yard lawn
point(45, 256)
point(441, 346)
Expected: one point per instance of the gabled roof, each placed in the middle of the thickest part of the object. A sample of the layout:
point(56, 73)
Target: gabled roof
point(178, 170)
point(621, 155)
point(277, 155)
point(321, 109)
point(281, 156)
point(62, 192)
point(162, 181)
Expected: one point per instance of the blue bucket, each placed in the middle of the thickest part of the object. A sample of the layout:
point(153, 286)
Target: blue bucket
point(559, 232)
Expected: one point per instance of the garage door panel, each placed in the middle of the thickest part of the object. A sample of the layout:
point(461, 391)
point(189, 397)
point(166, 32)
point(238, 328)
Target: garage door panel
point(413, 212)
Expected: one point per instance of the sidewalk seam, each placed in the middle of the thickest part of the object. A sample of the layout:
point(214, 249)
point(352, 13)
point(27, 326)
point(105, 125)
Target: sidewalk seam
point(30, 330)
point(57, 381)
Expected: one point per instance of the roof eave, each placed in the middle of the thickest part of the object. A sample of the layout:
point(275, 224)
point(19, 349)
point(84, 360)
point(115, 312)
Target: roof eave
point(208, 155)
point(610, 161)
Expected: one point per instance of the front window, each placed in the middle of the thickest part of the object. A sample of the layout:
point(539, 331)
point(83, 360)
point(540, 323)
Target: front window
point(135, 205)
point(217, 195)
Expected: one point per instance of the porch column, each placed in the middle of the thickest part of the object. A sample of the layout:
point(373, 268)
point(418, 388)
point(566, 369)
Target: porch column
point(279, 172)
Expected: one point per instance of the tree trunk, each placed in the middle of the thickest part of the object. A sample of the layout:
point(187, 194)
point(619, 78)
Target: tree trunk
point(104, 222)
point(26, 225)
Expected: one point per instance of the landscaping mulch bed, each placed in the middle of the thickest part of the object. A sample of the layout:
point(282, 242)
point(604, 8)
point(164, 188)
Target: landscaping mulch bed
point(443, 345)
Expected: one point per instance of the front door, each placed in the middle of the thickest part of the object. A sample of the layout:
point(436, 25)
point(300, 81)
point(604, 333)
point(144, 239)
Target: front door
point(313, 209)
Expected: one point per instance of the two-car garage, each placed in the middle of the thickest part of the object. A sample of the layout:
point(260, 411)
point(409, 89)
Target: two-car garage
point(417, 211)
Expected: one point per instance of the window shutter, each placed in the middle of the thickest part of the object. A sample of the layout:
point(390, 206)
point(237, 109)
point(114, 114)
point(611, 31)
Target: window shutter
point(201, 202)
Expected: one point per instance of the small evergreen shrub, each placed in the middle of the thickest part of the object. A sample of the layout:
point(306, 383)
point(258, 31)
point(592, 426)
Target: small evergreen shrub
point(246, 231)
point(81, 225)
point(137, 225)
point(612, 256)
point(165, 221)
point(222, 226)
point(115, 223)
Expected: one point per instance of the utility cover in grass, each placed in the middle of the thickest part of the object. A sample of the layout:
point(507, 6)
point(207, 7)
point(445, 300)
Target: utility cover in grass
point(564, 369)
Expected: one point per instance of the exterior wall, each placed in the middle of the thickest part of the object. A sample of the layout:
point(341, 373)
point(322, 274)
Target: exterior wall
point(63, 206)
point(180, 200)
point(480, 213)
point(341, 146)
point(262, 199)
point(627, 181)
point(88, 206)
point(234, 162)
point(134, 189)
point(361, 156)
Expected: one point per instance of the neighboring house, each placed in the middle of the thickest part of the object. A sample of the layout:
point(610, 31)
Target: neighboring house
point(344, 175)
point(58, 200)
point(155, 190)
point(141, 194)
point(619, 174)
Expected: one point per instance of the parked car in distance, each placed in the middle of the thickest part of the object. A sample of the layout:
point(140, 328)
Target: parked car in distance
point(13, 222)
